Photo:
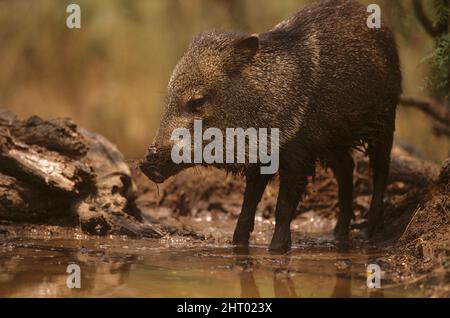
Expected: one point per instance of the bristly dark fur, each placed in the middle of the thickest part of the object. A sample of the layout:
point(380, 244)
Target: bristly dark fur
point(326, 80)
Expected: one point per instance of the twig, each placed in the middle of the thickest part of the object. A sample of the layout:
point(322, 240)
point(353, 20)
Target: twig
point(431, 107)
point(441, 130)
point(433, 31)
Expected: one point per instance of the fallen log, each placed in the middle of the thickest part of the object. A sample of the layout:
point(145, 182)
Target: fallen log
point(42, 167)
point(412, 170)
point(111, 208)
point(53, 168)
point(21, 202)
point(407, 168)
point(60, 135)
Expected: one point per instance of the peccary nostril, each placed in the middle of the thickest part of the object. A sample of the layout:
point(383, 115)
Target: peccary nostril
point(152, 150)
point(151, 171)
point(152, 155)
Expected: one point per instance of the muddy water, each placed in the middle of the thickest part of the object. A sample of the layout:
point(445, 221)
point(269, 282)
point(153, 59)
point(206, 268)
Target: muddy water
point(34, 263)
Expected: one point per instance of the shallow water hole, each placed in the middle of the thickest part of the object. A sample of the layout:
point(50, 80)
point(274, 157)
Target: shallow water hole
point(119, 267)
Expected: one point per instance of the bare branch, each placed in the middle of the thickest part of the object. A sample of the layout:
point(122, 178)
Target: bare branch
point(425, 21)
point(430, 107)
point(441, 130)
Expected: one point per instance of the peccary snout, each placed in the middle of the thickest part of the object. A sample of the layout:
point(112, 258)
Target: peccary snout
point(157, 165)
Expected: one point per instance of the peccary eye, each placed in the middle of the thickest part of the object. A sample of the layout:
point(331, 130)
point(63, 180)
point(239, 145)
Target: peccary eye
point(195, 103)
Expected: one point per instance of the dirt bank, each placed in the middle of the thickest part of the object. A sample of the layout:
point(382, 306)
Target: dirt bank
point(422, 253)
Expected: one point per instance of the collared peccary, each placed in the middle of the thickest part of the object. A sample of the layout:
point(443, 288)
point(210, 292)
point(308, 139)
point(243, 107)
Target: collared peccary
point(323, 77)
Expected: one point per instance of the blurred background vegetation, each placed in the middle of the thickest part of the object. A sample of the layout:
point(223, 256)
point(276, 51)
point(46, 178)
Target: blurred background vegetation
point(111, 75)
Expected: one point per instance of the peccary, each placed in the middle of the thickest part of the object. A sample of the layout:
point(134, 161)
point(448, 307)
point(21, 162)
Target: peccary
point(323, 77)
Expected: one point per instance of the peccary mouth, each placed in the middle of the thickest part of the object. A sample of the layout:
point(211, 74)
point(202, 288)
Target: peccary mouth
point(152, 172)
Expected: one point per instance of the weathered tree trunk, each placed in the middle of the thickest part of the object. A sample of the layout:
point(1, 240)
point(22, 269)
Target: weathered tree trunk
point(44, 168)
point(412, 170)
point(54, 169)
point(21, 202)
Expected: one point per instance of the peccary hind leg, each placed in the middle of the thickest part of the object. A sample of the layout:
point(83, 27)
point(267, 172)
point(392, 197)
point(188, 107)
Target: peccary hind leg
point(256, 184)
point(380, 157)
point(343, 171)
point(292, 187)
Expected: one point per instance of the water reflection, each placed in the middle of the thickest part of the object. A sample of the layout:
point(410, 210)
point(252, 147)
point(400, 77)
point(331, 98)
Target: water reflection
point(283, 282)
point(44, 273)
point(249, 288)
point(283, 285)
point(197, 272)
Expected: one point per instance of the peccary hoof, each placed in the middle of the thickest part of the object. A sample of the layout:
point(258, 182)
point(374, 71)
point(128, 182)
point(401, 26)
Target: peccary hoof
point(241, 249)
point(240, 242)
point(240, 239)
point(279, 248)
point(341, 231)
point(374, 228)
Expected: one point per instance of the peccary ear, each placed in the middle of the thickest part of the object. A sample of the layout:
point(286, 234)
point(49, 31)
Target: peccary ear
point(244, 50)
point(247, 47)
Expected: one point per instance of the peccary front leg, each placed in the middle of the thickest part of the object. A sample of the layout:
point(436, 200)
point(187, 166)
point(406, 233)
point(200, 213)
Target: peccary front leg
point(256, 184)
point(343, 171)
point(292, 187)
point(380, 158)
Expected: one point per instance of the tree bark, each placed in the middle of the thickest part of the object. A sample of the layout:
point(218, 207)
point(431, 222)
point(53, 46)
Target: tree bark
point(412, 170)
point(52, 168)
point(44, 168)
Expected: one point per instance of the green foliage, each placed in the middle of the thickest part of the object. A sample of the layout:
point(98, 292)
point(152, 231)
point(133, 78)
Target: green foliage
point(406, 23)
point(438, 79)
point(440, 11)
